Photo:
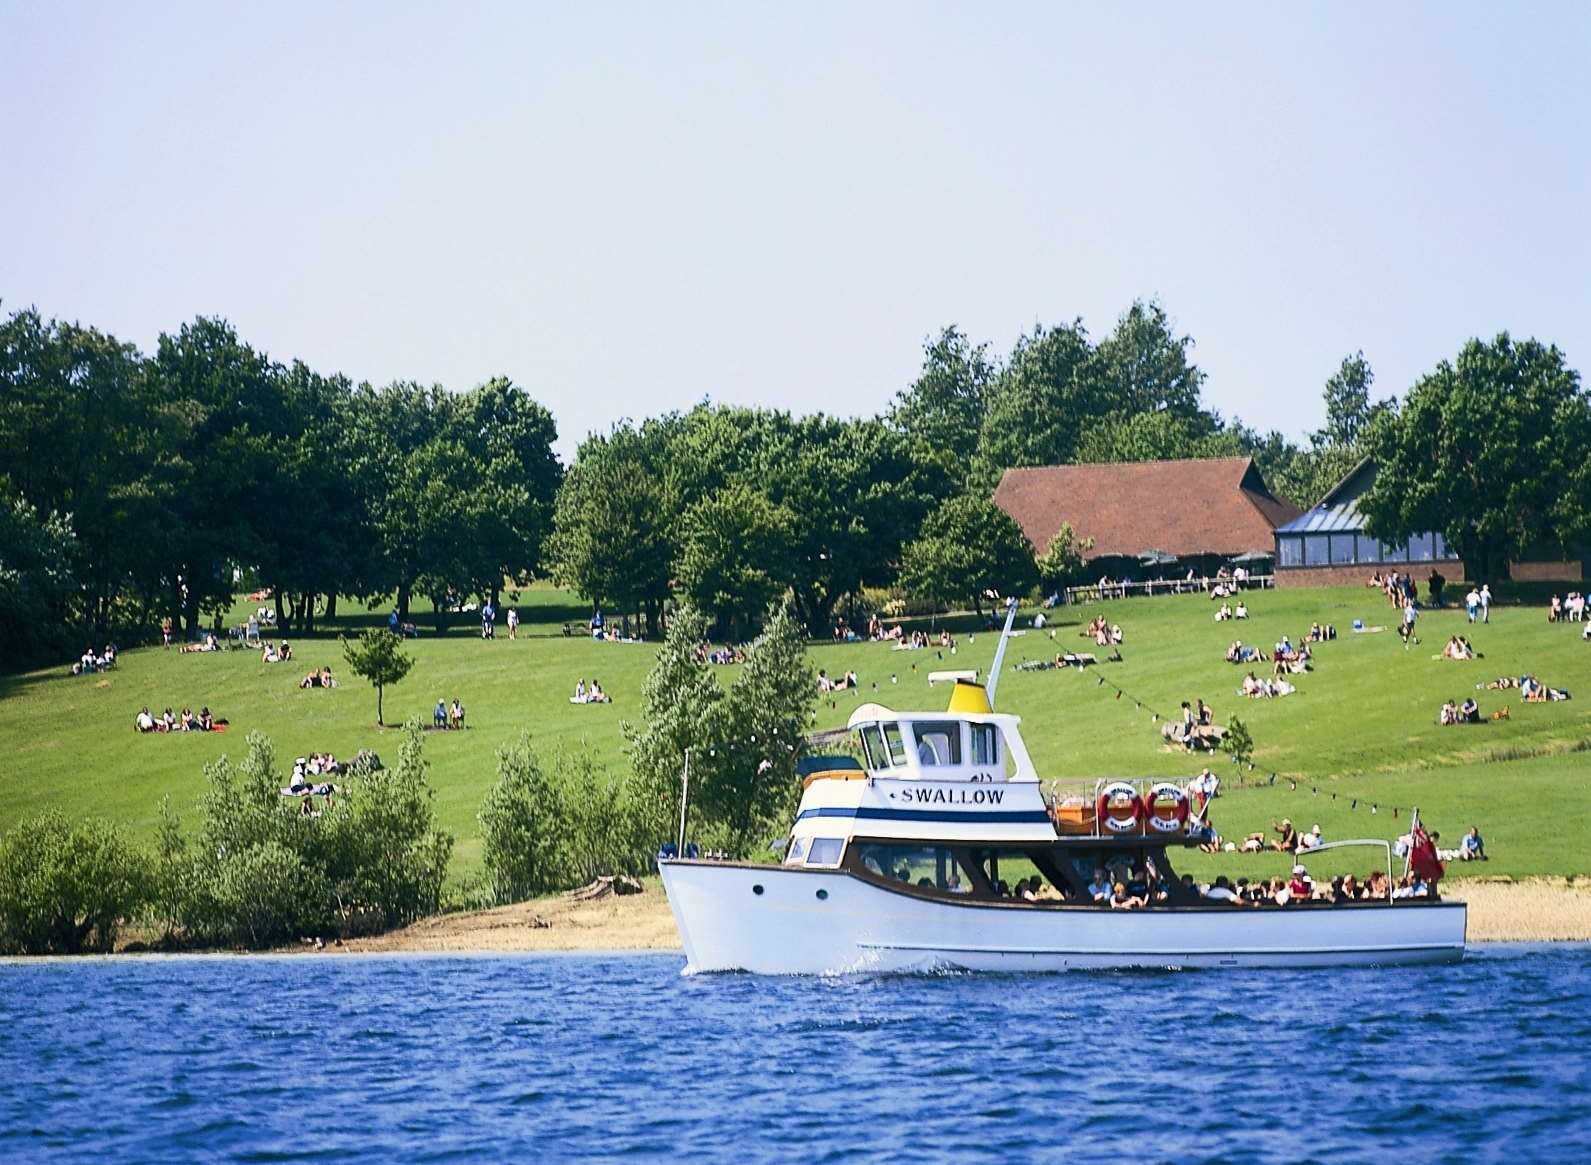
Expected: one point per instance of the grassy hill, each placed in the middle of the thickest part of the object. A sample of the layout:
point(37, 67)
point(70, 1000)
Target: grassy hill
point(1361, 727)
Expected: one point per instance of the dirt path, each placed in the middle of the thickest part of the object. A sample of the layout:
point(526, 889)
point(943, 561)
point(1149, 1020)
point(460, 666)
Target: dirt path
point(1538, 910)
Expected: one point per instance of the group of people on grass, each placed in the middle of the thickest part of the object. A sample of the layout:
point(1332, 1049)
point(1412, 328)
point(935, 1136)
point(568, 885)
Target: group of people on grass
point(1531, 690)
point(848, 683)
point(1569, 609)
point(589, 694)
point(1102, 632)
point(1226, 611)
point(1459, 647)
point(170, 722)
point(446, 717)
point(92, 663)
point(318, 679)
point(276, 652)
point(1469, 712)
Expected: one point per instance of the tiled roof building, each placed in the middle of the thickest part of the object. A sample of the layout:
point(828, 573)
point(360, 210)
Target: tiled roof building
point(1217, 507)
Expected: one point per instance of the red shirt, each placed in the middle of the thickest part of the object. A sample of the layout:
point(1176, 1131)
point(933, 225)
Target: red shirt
point(1299, 888)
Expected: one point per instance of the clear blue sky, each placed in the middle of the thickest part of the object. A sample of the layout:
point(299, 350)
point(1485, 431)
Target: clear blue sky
point(627, 208)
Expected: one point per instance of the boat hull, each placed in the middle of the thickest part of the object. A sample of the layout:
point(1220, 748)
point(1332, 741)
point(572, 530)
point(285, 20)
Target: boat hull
point(777, 920)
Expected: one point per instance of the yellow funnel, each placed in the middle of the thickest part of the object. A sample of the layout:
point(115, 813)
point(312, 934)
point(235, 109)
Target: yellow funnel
point(969, 697)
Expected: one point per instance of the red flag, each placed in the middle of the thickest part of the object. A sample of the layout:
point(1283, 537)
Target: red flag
point(1422, 855)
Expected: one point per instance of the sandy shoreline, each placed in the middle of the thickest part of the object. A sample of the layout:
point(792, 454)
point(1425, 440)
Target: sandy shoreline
point(1534, 910)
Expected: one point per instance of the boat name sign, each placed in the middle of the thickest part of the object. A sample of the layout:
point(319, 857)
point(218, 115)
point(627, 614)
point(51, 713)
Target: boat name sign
point(942, 796)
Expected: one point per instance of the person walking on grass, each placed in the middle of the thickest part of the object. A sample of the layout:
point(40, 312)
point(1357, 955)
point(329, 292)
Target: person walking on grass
point(1409, 616)
point(1486, 602)
point(513, 622)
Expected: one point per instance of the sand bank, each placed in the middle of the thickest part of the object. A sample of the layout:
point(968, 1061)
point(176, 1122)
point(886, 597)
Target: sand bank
point(1535, 910)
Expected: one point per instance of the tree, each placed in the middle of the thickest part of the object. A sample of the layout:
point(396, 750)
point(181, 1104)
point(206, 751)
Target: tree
point(681, 708)
point(1039, 404)
point(36, 580)
point(1348, 408)
point(523, 822)
point(735, 556)
point(1490, 450)
point(379, 657)
point(610, 536)
point(65, 888)
point(969, 546)
point(767, 710)
point(941, 412)
point(1238, 742)
point(1061, 564)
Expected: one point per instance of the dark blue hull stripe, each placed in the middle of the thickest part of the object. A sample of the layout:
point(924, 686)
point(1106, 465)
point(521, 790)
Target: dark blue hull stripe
point(993, 817)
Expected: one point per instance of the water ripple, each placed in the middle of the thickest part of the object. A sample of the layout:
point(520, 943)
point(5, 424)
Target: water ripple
point(622, 1059)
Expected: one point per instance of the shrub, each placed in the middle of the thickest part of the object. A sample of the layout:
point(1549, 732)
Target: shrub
point(265, 896)
point(523, 827)
point(64, 890)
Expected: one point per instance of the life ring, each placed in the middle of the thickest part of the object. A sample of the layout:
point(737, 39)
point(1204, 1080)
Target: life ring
point(1118, 808)
point(1165, 808)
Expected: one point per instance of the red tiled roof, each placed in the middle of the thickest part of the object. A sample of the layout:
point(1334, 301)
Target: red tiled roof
point(1215, 506)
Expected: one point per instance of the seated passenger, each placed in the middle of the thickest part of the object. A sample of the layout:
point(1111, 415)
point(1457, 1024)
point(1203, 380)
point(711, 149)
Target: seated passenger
point(1099, 890)
point(1221, 891)
point(1121, 900)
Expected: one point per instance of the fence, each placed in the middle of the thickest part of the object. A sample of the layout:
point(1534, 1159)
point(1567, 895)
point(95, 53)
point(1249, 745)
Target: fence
point(1199, 584)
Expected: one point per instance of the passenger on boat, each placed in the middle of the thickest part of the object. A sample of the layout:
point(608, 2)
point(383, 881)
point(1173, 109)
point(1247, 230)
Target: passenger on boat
point(1221, 891)
point(1120, 899)
point(1100, 888)
point(1352, 890)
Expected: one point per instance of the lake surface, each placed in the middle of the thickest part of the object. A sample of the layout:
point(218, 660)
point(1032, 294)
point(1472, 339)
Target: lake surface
point(607, 1058)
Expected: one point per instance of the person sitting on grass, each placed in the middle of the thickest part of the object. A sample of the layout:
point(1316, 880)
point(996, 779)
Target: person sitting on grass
point(1241, 610)
point(1469, 712)
point(1448, 714)
point(1287, 837)
point(455, 715)
point(168, 722)
point(206, 721)
point(1223, 613)
point(1471, 848)
point(144, 722)
point(595, 695)
point(1312, 839)
point(187, 721)
point(439, 715)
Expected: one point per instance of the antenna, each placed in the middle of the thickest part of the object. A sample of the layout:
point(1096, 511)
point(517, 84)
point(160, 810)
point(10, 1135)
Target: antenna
point(999, 652)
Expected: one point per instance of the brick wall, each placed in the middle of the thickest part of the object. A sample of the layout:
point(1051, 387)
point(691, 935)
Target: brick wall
point(1546, 571)
point(1347, 576)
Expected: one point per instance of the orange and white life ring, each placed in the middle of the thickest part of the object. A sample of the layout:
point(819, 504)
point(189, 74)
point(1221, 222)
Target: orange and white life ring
point(1165, 808)
point(1118, 808)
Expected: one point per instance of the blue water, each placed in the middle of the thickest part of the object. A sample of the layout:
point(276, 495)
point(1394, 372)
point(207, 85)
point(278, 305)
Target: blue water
point(621, 1058)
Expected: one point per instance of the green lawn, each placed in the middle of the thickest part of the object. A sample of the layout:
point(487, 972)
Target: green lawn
point(1361, 726)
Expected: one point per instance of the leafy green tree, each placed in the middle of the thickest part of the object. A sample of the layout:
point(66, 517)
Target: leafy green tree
point(1348, 408)
point(36, 575)
point(1039, 404)
point(753, 794)
point(379, 657)
point(942, 411)
point(682, 707)
point(1490, 449)
point(1063, 560)
point(65, 889)
point(1143, 366)
point(969, 547)
point(735, 556)
point(611, 541)
point(1238, 741)
point(523, 827)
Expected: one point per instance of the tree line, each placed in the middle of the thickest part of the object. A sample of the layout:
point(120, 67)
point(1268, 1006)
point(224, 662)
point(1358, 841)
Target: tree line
point(136, 487)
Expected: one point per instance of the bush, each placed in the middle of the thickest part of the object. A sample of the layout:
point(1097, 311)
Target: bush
point(265, 896)
point(64, 890)
point(523, 828)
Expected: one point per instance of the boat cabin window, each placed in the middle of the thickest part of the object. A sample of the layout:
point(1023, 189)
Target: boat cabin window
point(938, 743)
point(931, 867)
point(897, 746)
point(985, 744)
point(873, 746)
point(825, 851)
point(797, 851)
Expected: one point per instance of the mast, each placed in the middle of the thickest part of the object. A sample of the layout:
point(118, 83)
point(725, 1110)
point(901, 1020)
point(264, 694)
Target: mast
point(999, 652)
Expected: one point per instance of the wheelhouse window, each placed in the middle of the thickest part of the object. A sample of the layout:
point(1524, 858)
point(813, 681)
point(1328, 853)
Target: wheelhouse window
point(897, 745)
point(797, 852)
point(873, 746)
point(985, 744)
point(825, 851)
point(938, 743)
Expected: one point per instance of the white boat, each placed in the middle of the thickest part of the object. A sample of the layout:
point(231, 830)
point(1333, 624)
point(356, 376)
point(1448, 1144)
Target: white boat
point(903, 863)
